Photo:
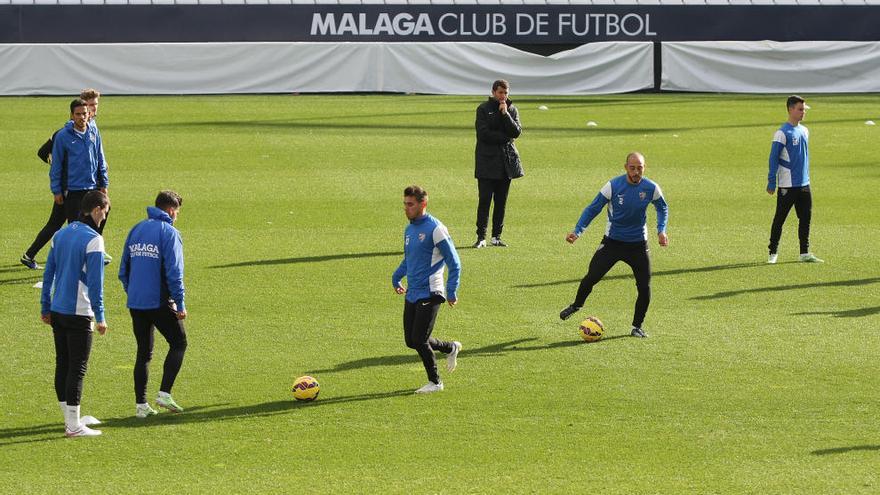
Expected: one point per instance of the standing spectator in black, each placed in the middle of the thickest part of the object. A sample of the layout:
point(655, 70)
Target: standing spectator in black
point(151, 271)
point(496, 158)
point(72, 301)
point(58, 215)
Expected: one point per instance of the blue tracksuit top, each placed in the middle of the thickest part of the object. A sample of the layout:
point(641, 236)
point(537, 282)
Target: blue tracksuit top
point(73, 279)
point(82, 156)
point(151, 267)
point(426, 248)
point(627, 204)
point(789, 157)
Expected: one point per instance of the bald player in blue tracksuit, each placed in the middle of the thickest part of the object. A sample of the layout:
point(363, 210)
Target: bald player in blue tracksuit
point(790, 173)
point(626, 235)
point(427, 249)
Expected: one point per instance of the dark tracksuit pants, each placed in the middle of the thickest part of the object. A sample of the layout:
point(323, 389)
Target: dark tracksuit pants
point(72, 202)
point(73, 344)
point(802, 200)
point(418, 323)
point(490, 189)
point(634, 254)
point(165, 320)
point(54, 224)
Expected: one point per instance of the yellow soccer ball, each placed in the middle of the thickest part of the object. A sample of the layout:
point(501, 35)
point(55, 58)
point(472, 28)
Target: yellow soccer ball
point(306, 388)
point(591, 329)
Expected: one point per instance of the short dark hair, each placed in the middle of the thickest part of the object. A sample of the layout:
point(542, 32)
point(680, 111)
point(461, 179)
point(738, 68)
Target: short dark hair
point(792, 101)
point(89, 94)
point(77, 102)
point(501, 83)
point(417, 192)
point(92, 200)
point(168, 199)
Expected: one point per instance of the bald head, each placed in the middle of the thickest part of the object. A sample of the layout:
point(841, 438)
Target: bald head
point(635, 167)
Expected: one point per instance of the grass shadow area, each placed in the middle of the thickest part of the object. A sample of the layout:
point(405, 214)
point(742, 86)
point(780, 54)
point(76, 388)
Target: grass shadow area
point(273, 408)
point(850, 313)
point(777, 288)
point(489, 350)
point(310, 259)
point(679, 271)
point(845, 450)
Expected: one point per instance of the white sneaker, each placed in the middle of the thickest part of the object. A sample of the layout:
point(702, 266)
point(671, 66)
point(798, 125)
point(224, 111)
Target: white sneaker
point(810, 258)
point(83, 431)
point(144, 411)
point(89, 420)
point(431, 387)
point(481, 243)
point(772, 259)
point(452, 358)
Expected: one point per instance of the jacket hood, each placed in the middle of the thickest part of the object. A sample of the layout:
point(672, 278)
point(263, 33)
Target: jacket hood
point(154, 213)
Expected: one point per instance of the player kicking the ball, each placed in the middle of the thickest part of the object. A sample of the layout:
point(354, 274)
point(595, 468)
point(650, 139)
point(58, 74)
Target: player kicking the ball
point(626, 235)
point(426, 248)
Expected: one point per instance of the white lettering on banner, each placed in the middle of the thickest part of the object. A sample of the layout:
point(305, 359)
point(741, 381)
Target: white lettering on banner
point(400, 25)
point(480, 25)
point(630, 25)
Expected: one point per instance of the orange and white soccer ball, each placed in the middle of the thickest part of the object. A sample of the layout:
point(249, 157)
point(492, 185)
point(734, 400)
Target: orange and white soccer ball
point(306, 388)
point(591, 329)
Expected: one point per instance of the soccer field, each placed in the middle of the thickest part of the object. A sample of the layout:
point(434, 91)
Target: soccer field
point(755, 379)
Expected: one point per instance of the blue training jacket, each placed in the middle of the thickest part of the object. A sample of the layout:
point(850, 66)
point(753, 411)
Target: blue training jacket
point(426, 248)
point(77, 160)
point(151, 267)
point(627, 204)
point(789, 157)
point(73, 280)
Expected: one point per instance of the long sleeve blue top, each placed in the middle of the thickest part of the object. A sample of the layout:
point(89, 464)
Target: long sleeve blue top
point(627, 206)
point(73, 279)
point(789, 157)
point(77, 160)
point(427, 247)
point(151, 265)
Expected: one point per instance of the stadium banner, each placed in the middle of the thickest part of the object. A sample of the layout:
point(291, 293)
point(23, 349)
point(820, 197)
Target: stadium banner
point(208, 68)
point(510, 24)
point(771, 67)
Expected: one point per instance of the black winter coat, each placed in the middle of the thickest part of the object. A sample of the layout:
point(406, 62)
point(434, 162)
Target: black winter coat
point(495, 156)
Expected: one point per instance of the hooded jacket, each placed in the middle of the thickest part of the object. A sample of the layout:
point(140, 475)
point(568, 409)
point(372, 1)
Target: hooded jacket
point(151, 270)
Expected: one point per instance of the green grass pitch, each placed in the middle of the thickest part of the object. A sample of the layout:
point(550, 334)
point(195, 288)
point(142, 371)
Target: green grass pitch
point(756, 379)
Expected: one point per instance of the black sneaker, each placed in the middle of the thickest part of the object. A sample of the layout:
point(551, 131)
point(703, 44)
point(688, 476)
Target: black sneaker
point(29, 262)
point(638, 332)
point(481, 243)
point(567, 312)
point(497, 242)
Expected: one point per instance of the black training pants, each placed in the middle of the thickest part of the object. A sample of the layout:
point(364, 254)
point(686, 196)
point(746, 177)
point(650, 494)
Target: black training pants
point(490, 189)
point(165, 320)
point(73, 344)
point(54, 224)
point(418, 323)
point(634, 254)
point(72, 203)
point(802, 200)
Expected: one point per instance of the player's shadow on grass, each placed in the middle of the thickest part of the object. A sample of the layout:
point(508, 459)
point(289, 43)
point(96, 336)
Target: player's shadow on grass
point(52, 431)
point(278, 407)
point(23, 280)
point(850, 313)
point(777, 288)
point(488, 350)
point(661, 273)
point(310, 259)
point(845, 450)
